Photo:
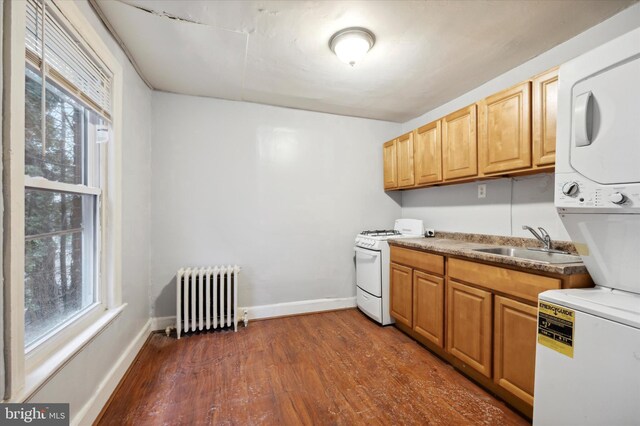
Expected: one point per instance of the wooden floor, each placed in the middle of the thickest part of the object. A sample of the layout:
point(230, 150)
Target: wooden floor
point(329, 368)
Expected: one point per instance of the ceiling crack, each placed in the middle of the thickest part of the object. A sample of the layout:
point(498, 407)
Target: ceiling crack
point(164, 14)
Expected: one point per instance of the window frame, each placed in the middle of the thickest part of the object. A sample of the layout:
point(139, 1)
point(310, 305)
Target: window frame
point(94, 177)
point(27, 372)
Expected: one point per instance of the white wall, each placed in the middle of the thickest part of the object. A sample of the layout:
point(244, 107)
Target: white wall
point(281, 192)
point(509, 204)
point(78, 381)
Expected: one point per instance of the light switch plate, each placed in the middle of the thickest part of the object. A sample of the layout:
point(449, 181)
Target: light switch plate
point(482, 190)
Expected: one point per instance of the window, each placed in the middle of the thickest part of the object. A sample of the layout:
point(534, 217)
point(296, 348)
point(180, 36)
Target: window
point(60, 226)
point(67, 102)
point(62, 234)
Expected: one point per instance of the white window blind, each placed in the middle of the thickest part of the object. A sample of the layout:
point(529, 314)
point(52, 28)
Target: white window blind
point(62, 56)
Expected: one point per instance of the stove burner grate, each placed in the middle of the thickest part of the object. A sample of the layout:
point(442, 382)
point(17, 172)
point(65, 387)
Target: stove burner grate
point(380, 232)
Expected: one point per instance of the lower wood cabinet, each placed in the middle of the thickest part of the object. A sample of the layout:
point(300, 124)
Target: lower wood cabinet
point(480, 317)
point(428, 307)
point(469, 331)
point(515, 347)
point(401, 294)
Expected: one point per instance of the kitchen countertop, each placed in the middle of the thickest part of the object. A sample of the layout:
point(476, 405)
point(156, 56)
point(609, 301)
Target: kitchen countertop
point(463, 245)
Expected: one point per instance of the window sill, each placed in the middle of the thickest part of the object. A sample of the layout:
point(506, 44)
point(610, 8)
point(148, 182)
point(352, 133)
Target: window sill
point(39, 376)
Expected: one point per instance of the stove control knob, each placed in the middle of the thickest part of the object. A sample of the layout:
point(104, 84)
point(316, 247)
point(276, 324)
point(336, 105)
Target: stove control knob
point(570, 189)
point(617, 198)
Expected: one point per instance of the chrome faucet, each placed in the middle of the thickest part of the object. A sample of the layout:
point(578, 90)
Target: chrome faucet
point(543, 236)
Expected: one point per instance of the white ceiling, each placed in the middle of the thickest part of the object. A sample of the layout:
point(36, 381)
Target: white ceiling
point(276, 52)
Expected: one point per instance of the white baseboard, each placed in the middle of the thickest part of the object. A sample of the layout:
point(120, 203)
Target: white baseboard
point(301, 307)
point(275, 310)
point(87, 414)
point(160, 323)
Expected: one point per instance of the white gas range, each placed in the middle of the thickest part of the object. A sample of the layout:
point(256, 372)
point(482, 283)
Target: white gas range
point(372, 267)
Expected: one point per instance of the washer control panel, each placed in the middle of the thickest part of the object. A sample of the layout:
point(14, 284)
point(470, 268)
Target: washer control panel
point(573, 191)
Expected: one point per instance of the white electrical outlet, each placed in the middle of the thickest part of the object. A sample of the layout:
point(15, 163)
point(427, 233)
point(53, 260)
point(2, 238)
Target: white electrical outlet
point(482, 190)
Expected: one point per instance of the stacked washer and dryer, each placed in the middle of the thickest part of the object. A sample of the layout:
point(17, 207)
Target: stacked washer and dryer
point(588, 350)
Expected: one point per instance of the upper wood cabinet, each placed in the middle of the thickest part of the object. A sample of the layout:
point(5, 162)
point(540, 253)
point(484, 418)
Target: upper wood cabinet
point(405, 160)
point(459, 144)
point(515, 347)
point(469, 331)
point(505, 130)
point(510, 133)
point(401, 290)
point(428, 307)
point(427, 153)
point(390, 167)
point(545, 109)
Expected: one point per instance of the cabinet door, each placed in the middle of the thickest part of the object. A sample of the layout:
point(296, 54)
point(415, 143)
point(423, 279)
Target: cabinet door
point(469, 329)
point(390, 160)
point(428, 307)
point(401, 294)
point(545, 109)
point(459, 144)
point(505, 130)
point(405, 160)
point(515, 347)
point(427, 153)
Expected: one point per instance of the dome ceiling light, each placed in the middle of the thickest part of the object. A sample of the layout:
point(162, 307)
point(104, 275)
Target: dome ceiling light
point(351, 44)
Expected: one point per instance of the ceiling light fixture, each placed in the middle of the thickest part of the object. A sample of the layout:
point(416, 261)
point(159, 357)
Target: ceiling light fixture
point(351, 44)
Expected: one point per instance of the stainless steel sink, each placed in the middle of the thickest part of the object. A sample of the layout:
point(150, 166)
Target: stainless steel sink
point(536, 256)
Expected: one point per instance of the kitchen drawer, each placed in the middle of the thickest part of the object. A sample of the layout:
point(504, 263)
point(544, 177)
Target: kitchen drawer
point(516, 283)
point(369, 304)
point(418, 259)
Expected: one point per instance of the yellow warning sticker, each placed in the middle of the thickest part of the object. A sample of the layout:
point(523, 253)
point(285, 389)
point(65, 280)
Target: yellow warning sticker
point(555, 327)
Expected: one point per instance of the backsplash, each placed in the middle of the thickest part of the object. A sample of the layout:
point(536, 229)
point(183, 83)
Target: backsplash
point(510, 203)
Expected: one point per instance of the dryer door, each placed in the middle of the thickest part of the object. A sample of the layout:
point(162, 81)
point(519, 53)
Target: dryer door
point(605, 124)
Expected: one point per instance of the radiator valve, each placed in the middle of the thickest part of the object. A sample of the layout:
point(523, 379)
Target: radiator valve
point(245, 317)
